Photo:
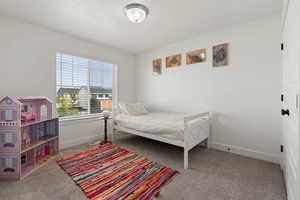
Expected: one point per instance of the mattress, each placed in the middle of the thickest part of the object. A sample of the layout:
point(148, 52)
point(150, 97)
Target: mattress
point(167, 125)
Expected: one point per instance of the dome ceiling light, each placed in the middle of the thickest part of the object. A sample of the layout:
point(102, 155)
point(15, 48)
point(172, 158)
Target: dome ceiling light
point(136, 12)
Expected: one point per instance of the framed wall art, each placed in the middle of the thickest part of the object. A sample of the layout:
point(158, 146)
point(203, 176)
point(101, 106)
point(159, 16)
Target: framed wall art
point(220, 55)
point(196, 56)
point(173, 61)
point(156, 66)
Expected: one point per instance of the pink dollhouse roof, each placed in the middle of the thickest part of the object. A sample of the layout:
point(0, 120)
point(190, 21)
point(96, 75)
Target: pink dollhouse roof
point(13, 98)
point(18, 100)
point(34, 98)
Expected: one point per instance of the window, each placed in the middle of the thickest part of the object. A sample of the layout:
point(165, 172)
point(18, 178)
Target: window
point(25, 108)
point(8, 138)
point(79, 81)
point(8, 115)
point(8, 163)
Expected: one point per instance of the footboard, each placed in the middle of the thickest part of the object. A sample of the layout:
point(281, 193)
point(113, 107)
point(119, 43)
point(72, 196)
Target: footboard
point(196, 130)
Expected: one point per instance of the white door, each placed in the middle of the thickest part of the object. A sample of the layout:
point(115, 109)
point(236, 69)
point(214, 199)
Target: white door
point(290, 106)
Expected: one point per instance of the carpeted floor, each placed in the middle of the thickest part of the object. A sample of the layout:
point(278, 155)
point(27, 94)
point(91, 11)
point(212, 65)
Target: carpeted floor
point(213, 175)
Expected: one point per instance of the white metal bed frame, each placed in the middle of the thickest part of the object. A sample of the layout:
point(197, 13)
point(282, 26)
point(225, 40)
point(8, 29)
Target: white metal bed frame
point(196, 130)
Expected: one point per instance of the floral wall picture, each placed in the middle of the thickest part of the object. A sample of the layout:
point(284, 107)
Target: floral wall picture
point(196, 56)
point(156, 66)
point(220, 55)
point(173, 61)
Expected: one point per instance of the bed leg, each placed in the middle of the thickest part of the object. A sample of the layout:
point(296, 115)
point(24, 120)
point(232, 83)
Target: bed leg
point(186, 158)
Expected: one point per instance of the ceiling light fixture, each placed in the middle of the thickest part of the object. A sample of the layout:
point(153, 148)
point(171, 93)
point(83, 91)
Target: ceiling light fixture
point(136, 12)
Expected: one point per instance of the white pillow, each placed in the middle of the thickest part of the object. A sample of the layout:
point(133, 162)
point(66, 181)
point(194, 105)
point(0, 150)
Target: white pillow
point(123, 108)
point(133, 109)
point(136, 109)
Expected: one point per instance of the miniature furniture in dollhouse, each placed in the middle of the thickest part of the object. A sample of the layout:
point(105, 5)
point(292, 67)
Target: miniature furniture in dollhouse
point(28, 135)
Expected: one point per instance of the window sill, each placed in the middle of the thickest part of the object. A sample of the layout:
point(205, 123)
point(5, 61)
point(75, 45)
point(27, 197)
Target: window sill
point(66, 120)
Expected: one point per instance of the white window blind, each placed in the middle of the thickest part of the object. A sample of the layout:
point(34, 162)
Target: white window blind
point(71, 71)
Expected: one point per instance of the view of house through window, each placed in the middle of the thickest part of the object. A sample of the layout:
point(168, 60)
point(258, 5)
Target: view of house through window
point(83, 86)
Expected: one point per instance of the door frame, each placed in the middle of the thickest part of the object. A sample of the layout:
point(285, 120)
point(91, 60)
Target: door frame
point(284, 15)
point(283, 165)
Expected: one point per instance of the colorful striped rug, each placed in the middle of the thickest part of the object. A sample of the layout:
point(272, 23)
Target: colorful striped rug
point(111, 173)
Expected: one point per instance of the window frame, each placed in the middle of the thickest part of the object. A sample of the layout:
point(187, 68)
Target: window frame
point(88, 115)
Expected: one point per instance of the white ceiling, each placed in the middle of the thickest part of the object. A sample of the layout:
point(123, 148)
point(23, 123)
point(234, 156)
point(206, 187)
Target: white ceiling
point(103, 21)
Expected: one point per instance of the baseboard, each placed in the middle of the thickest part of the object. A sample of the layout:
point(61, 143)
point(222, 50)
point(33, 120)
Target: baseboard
point(245, 152)
point(79, 141)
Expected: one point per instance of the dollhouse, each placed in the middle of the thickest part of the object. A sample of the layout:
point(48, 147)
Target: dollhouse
point(28, 135)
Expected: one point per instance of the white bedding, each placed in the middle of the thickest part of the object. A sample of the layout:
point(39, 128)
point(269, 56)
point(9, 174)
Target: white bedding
point(168, 125)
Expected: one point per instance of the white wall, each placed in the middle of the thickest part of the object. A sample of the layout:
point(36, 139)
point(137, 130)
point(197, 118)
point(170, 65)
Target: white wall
point(27, 55)
point(245, 96)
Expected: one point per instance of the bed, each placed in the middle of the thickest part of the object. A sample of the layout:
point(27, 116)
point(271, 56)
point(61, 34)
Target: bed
point(182, 130)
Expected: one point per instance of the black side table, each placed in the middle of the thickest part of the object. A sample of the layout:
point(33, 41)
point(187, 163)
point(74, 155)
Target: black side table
point(105, 119)
point(105, 130)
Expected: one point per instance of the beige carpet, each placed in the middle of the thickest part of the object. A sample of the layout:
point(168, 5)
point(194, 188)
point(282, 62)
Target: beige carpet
point(213, 175)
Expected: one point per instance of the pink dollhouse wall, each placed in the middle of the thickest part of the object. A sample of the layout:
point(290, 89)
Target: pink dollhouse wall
point(9, 141)
point(34, 106)
point(10, 166)
point(13, 133)
point(10, 110)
